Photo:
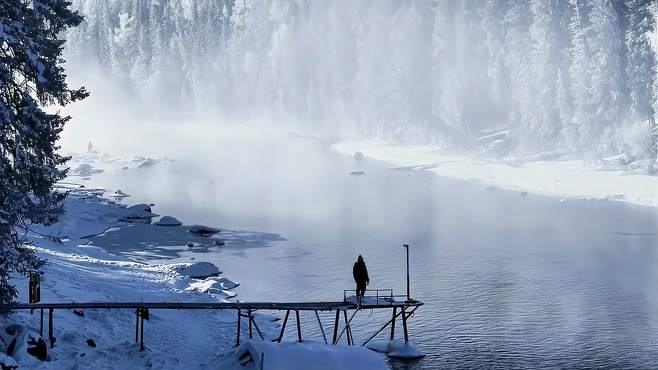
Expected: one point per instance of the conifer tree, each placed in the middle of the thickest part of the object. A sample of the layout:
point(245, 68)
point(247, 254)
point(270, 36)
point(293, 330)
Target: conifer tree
point(31, 78)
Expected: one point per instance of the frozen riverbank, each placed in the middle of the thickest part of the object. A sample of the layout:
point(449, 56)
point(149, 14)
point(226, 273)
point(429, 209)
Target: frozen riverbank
point(104, 339)
point(570, 179)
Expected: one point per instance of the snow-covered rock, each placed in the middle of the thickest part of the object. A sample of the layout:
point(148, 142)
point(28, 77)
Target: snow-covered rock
point(119, 194)
point(198, 270)
point(213, 284)
point(203, 230)
point(299, 356)
point(138, 213)
point(7, 362)
point(168, 221)
point(24, 345)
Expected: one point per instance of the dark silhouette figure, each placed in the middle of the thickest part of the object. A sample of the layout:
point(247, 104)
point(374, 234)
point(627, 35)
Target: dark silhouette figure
point(360, 273)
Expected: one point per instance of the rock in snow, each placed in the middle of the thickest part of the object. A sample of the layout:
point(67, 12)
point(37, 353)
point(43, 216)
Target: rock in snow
point(199, 270)
point(7, 362)
point(119, 194)
point(138, 213)
point(168, 221)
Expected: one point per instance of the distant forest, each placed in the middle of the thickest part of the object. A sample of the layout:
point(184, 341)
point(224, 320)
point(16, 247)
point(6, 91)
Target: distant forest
point(531, 79)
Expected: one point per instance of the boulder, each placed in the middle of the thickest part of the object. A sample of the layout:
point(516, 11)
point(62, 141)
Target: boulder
point(138, 213)
point(25, 346)
point(168, 221)
point(91, 343)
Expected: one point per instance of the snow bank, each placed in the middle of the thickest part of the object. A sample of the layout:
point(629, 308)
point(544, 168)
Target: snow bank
point(299, 356)
point(571, 178)
point(104, 339)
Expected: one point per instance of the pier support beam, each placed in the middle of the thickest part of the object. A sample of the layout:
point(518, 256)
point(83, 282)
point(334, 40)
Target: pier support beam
point(137, 325)
point(404, 325)
point(387, 323)
point(51, 337)
point(251, 335)
point(299, 327)
point(283, 326)
point(335, 338)
point(395, 310)
point(237, 342)
point(321, 327)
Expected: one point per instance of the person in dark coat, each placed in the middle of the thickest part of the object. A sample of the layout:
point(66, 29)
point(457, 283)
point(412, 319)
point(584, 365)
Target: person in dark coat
point(360, 273)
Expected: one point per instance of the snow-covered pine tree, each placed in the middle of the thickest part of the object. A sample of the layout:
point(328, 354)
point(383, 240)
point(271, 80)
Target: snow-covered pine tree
point(640, 68)
point(31, 77)
point(606, 92)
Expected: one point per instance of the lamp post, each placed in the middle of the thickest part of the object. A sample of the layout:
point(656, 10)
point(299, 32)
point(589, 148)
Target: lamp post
point(406, 247)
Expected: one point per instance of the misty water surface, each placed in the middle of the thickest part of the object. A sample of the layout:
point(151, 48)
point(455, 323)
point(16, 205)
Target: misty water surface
point(508, 280)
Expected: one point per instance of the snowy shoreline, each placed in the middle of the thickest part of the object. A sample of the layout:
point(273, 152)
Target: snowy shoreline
point(104, 339)
point(568, 179)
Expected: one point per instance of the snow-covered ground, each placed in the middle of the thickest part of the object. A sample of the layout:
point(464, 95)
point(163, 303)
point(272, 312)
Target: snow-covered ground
point(104, 339)
point(569, 179)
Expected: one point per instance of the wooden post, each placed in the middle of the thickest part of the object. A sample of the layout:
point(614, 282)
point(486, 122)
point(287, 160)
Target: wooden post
point(141, 330)
point(395, 309)
point(404, 325)
point(347, 329)
point(283, 326)
point(299, 327)
point(250, 329)
point(51, 337)
point(260, 333)
point(321, 328)
point(41, 325)
point(239, 318)
point(137, 325)
point(333, 341)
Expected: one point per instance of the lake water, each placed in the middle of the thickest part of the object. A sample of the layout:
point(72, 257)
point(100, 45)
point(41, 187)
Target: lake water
point(508, 281)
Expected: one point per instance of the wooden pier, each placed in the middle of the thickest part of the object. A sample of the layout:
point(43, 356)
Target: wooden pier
point(401, 307)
